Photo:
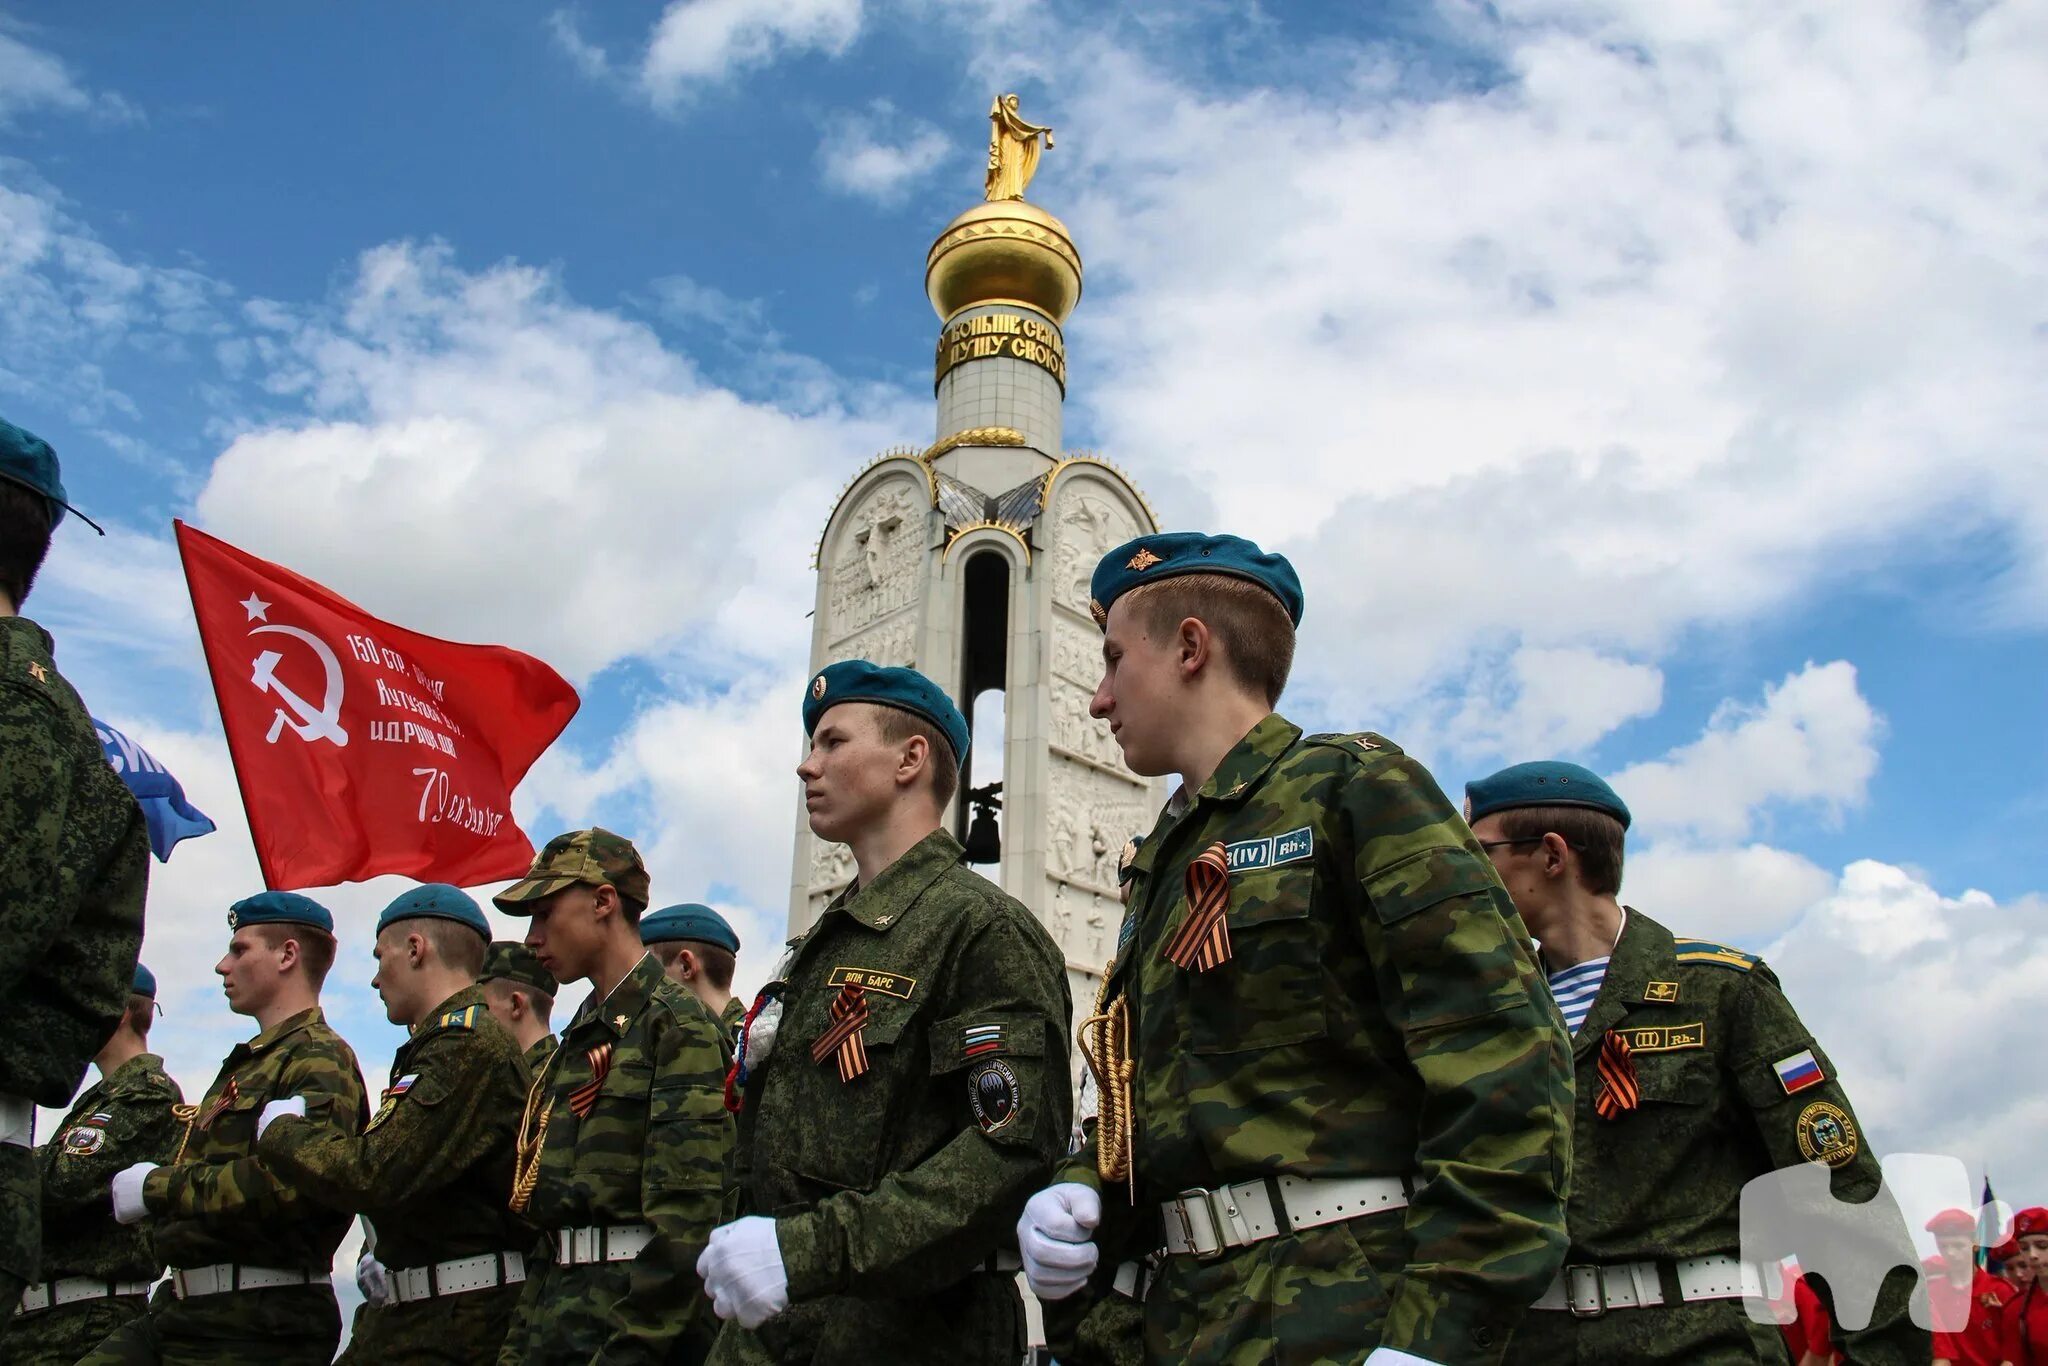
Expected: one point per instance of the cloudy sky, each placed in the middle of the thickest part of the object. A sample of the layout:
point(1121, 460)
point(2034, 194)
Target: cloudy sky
point(1659, 386)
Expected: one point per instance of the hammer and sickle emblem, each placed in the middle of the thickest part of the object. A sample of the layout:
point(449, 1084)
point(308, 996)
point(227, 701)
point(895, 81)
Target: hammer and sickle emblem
point(313, 723)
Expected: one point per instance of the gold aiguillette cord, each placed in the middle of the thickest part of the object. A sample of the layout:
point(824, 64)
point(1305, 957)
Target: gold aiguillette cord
point(1105, 1041)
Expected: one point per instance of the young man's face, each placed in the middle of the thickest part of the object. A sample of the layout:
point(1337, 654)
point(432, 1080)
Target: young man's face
point(1956, 1249)
point(849, 776)
point(1141, 693)
point(251, 971)
point(564, 932)
point(394, 977)
point(1520, 866)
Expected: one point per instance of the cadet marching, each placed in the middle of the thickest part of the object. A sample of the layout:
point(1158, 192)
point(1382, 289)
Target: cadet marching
point(1341, 1106)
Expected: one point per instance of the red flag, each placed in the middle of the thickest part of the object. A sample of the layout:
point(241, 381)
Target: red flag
point(362, 747)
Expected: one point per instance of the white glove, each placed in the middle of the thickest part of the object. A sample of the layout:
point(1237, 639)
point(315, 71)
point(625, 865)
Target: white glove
point(128, 1206)
point(743, 1272)
point(371, 1280)
point(278, 1109)
point(1055, 1237)
point(1389, 1356)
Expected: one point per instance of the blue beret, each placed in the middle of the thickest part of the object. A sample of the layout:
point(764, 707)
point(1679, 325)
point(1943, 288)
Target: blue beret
point(145, 982)
point(1169, 554)
point(1547, 782)
point(279, 908)
point(856, 680)
point(27, 459)
point(436, 901)
point(688, 921)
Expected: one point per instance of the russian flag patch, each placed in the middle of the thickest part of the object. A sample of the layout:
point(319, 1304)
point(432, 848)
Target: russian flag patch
point(981, 1039)
point(1798, 1072)
point(402, 1085)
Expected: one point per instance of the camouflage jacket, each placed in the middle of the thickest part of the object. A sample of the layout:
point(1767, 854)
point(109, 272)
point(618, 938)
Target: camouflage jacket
point(433, 1170)
point(1710, 1032)
point(220, 1202)
point(895, 1185)
point(650, 1150)
point(118, 1121)
point(74, 863)
point(1381, 1014)
point(537, 1056)
point(732, 1017)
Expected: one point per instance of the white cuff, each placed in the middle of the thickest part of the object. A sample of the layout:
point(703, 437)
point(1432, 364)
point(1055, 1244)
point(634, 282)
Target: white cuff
point(1388, 1356)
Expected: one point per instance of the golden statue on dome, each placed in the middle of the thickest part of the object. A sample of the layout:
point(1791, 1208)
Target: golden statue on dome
point(1012, 149)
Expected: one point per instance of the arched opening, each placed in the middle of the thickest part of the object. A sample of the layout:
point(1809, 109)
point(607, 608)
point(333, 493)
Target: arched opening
point(984, 666)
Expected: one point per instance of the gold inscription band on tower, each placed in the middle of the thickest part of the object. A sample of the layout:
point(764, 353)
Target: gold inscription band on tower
point(1003, 334)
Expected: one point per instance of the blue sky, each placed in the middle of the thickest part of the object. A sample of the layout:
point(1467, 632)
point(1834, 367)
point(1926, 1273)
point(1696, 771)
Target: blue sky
point(1662, 390)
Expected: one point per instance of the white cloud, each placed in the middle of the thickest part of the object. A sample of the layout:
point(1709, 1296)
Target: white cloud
point(1674, 322)
point(31, 79)
point(1915, 995)
point(1812, 740)
point(587, 57)
point(1550, 702)
point(854, 159)
point(1730, 894)
point(550, 470)
point(697, 43)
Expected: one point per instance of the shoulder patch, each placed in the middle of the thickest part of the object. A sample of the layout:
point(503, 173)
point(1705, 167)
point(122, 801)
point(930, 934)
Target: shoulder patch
point(1359, 744)
point(464, 1018)
point(1705, 951)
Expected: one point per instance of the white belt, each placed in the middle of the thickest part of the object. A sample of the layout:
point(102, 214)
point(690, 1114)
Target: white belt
point(600, 1243)
point(71, 1289)
point(222, 1277)
point(17, 1120)
point(486, 1271)
point(1206, 1223)
point(1590, 1290)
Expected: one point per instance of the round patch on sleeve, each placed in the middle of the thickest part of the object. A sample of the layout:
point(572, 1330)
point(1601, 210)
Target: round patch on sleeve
point(992, 1091)
point(1827, 1134)
point(81, 1141)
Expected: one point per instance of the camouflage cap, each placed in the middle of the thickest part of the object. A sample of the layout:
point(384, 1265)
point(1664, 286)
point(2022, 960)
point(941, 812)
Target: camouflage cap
point(595, 857)
point(514, 962)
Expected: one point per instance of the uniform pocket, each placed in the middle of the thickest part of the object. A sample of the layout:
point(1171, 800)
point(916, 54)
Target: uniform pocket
point(610, 1136)
point(1270, 991)
point(844, 1151)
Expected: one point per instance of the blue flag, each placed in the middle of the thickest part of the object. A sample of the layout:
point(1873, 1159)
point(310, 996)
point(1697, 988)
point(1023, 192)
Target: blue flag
point(171, 818)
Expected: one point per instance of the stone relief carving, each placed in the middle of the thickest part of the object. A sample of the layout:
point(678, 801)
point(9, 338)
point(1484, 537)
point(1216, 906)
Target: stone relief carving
point(893, 642)
point(875, 571)
point(1088, 522)
point(1089, 815)
point(832, 865)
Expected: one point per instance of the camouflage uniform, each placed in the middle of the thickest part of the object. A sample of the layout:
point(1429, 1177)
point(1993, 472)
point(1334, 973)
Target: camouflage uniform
point(1102, 1325)
point(537, 1056)
point(74, 863)
point(651, 1150)
point(892, 1191)
point(1663, 1181)
point(432, 1172)
point(732, 1017)
point(121, 1120)
point(1380, 1015)
point(219, 1202)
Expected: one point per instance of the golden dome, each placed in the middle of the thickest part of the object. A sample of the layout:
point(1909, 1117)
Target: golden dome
point(1004, 250)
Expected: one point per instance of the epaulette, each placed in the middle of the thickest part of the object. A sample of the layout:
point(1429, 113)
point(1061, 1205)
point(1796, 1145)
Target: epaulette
point(464, 1018)
point(1717, 955)
point(1359, 744)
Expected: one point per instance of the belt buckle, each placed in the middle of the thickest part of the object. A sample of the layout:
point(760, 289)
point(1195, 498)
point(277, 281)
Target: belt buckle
point(1571, 1301)
point(1206, 1199)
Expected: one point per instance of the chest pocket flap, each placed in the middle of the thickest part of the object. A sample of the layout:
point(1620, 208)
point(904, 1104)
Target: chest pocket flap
point(977, 1034)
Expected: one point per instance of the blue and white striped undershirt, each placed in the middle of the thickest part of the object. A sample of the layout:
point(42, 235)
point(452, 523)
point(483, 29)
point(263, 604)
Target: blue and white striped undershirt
point(1575, 987)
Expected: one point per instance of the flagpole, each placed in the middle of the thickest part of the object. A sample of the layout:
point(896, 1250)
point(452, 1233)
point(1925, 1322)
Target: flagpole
point(178, 530)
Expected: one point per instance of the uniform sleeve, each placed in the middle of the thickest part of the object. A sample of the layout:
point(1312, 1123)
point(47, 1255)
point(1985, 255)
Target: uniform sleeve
point(1458, 983)
point(140, 1128)
point(33, 792)
point(682, 1176)
point(430, 1136)
point(920, 1228)
point(1815, 1123)
point(246, 1188)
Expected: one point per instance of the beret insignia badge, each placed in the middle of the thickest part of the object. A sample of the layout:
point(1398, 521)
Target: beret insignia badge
point(1143, 560)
